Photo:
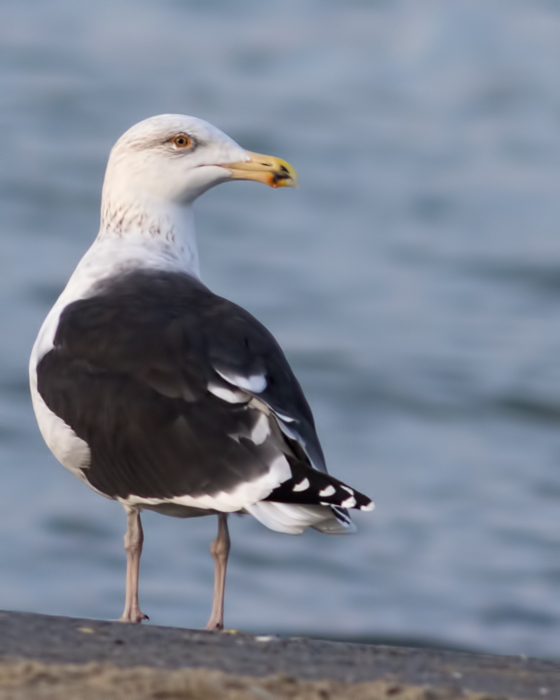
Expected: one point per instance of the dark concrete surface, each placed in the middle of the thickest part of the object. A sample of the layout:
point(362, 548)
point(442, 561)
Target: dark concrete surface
point(69, 640)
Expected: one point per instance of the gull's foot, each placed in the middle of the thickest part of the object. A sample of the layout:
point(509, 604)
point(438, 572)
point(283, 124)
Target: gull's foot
point(215, 625)
point(134, 616)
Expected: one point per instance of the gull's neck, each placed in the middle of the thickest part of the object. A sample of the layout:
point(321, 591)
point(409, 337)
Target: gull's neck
point(132, 236)
point(147, 233)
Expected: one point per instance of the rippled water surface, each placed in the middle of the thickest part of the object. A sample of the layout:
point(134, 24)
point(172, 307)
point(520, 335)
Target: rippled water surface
point(413, 279)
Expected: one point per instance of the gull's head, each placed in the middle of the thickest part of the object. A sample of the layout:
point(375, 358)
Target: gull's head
point(173, 159)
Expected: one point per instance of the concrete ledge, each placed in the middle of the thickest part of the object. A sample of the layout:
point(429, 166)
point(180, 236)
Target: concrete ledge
point(60, 640)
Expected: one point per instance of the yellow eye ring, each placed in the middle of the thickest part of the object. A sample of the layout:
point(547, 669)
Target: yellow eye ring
point(181, 141)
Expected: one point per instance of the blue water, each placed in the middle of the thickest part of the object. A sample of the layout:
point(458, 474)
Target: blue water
point(413, 279)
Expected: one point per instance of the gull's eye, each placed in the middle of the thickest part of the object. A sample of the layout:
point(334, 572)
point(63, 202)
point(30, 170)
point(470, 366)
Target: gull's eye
point(181, 141)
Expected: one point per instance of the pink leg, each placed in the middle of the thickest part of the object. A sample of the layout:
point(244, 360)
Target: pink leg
point(220, 550)
point(133, 541)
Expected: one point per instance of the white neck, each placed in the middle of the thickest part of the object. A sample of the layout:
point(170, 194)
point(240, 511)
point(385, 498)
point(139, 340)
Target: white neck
point(134, 234)
point(166, 229)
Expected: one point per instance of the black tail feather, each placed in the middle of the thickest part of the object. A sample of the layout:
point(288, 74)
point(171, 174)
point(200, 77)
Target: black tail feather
point(311, 487)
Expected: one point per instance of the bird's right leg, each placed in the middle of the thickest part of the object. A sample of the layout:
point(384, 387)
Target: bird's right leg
point(133, 541)
point(220, 551)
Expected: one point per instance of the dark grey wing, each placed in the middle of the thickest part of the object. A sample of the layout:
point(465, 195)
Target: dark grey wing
point(245, 355)
point(167, 384)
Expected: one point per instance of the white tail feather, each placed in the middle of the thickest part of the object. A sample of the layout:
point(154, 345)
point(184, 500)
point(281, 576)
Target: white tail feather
point(294, 518)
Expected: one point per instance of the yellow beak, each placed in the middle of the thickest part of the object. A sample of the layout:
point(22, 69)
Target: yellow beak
point(269, 170)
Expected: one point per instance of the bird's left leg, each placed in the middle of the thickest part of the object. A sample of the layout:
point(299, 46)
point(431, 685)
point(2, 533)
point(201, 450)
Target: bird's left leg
point(133, 541)
point(220, 550)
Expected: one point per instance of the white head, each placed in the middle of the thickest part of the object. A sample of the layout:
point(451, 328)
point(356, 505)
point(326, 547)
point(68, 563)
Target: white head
point(155, 171)
point(172, 159)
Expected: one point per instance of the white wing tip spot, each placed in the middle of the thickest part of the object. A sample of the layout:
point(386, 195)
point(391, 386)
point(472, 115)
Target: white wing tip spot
point(347, 488)
point(286, 419)
point(327, 491)
point(261, 430)
point(229, 395)
point(349, 502)
point(255, 383)
point(302, 486)
point(369, 506)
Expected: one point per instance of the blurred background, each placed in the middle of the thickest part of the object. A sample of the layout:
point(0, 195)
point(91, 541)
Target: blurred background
point(413, 280)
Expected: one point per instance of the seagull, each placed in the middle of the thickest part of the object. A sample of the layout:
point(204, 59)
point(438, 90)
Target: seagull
point(158, 393)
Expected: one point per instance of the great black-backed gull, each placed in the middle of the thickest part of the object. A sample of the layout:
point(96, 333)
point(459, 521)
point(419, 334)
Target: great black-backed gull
point(156, 392)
